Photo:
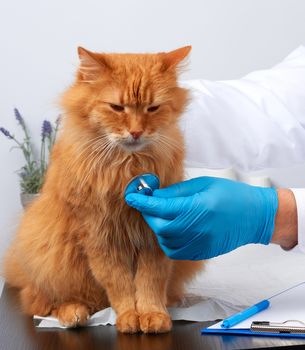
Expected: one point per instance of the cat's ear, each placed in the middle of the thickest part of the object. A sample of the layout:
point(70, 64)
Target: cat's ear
point(92, 65)
point(173, 58)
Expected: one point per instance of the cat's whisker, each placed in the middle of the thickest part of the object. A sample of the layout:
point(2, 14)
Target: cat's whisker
point(84, 147)
point(98, 147)
point(89, 141)
point(103, 151)
point(89, 168)
point(109, 151)
point(94, 143)
point(159, 143)
point(168, 144)
point(170, 141)
point(91, 144)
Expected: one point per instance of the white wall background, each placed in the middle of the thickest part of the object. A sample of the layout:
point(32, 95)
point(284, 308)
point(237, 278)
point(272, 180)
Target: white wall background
point(38, 54)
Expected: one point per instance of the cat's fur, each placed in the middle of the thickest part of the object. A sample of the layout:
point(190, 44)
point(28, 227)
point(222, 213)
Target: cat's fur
point(79, 246)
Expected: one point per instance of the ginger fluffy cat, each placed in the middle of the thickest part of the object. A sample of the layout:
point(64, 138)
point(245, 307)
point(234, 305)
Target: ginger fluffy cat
point(79, 246)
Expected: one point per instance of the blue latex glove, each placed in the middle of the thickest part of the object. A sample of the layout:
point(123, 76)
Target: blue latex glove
point(205, 217)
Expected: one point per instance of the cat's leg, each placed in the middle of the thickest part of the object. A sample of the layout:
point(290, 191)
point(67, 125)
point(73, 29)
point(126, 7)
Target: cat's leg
point(34, 301)
point(114, 273)
point(183, 272)
point(71, 297)
point(151, 291)
point(77, 295)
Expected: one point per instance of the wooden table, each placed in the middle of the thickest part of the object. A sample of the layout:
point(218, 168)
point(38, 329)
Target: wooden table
point(17, 332)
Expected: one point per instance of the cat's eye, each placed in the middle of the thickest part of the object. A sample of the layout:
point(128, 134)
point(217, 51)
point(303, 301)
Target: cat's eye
point(117, 108)
point(152, 108)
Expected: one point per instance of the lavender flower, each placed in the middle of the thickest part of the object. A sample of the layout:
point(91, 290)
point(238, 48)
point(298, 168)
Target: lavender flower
point(46, 129)
point(19, 117)
point(32, 174)
point(23, 174)
point(6, 133)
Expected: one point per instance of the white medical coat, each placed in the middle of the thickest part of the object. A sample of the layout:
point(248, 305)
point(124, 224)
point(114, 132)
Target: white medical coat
point(249, 124)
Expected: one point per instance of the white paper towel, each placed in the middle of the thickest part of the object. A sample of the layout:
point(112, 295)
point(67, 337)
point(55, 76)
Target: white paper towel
point(194, 309)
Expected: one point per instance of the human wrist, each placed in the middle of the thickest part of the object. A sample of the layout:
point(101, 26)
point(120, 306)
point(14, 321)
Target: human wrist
point(286, 222)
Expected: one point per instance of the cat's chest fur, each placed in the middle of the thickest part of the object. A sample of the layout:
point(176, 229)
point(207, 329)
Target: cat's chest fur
point(94, 192)
point(109, 220)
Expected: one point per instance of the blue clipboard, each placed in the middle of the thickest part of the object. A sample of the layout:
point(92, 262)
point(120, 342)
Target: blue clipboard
point(248, 332)
point(286, 305)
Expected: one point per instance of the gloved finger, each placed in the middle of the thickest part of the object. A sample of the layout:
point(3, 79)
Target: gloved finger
point(166, 208)
point(156, 224)
point(166, 233)
point(184, 188)
point(165, 236)
point(174, 243)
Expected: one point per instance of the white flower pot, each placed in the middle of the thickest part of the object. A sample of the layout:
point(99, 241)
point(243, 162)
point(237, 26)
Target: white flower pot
point(27, 198)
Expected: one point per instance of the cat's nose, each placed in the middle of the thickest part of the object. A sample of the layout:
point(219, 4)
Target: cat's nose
point(136, 134)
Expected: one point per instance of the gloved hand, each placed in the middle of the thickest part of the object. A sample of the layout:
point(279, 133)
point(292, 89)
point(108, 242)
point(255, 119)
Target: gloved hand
point(205, 217)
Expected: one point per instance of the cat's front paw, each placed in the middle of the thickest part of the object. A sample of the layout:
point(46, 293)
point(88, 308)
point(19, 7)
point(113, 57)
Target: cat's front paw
point(128, 322)
point(72, 314)
point(155, 322)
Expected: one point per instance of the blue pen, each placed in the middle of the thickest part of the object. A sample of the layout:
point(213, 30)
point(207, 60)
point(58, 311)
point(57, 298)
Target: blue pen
point(243, 315)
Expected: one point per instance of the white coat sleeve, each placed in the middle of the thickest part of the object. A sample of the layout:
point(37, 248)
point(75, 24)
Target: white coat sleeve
point(249, 124)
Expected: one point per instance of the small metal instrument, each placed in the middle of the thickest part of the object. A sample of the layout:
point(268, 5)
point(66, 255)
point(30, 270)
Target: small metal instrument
point(278, 327)
point(143, 184)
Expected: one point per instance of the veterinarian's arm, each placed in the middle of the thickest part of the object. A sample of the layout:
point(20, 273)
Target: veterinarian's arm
point(286, 220)
point(206, 217)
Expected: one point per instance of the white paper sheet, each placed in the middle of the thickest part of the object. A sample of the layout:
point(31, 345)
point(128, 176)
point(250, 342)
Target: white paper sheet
point(288, 305)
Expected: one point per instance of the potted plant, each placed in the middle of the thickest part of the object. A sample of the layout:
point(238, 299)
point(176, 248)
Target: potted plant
point(32, 174)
